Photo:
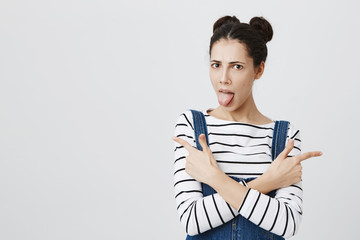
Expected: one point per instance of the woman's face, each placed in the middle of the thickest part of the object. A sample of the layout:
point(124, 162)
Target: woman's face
point(232, 73)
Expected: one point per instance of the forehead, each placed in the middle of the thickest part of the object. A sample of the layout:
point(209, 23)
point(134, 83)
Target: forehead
point(229, 51)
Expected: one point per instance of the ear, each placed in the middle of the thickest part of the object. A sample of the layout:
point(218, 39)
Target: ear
point(260, 70)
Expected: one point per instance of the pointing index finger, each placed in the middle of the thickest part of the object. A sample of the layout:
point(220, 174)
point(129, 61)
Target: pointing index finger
point(307, 155)
point(184, 143)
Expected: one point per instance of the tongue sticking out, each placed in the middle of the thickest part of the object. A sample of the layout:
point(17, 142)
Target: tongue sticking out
point(225, 98)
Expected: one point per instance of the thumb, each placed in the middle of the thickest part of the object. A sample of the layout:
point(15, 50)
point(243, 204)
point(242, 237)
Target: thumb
point(202, 141)
point(288, 148)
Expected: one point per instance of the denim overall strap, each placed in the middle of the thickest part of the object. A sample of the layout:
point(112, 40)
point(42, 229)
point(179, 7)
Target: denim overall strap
point(279, 138)
point(199, 127)
point(239, 228)
point(278, 142)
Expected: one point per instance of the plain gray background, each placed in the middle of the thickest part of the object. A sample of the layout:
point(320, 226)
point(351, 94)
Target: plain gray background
point(90, 92)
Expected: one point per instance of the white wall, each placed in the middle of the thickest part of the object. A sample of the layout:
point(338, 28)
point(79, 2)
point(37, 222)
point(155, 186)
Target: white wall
point(90, 92)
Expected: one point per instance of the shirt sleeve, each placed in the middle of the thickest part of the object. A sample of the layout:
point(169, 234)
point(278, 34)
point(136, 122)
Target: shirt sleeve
point(283, 213)
point(197, 213)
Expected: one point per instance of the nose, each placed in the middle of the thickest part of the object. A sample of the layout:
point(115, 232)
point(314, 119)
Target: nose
point(225, 79)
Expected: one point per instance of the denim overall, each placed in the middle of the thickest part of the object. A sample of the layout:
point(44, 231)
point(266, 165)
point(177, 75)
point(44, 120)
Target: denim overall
point(239, 228)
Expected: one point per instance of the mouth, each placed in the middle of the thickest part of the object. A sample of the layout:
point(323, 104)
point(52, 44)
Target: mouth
point(225, 97)
point(225, 91)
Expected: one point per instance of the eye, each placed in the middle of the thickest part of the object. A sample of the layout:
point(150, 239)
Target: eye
point(215, 65)
point(237, 66)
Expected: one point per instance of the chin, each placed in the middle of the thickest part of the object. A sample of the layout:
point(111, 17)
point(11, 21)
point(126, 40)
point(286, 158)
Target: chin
point(231, 107)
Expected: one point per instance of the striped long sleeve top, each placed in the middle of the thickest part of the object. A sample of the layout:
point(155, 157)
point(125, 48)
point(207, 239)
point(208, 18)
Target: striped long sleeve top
point(242, 150)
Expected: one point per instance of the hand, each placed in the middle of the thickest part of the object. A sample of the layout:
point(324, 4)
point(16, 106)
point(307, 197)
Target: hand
point(285, 171)
point(201, 165)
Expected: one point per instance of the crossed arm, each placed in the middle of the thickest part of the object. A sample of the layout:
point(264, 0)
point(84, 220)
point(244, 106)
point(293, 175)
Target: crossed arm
point(280, 215)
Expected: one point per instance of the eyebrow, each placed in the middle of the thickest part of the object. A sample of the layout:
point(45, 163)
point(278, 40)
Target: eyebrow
point(217, 61)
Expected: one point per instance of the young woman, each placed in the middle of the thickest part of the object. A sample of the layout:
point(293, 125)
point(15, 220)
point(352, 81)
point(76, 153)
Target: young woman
point(240, 140)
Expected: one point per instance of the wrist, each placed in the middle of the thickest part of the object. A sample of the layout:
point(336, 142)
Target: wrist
point(263, 183)
point(215, 175)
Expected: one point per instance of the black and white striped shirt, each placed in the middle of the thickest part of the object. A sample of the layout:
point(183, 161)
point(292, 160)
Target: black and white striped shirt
point(241, 150)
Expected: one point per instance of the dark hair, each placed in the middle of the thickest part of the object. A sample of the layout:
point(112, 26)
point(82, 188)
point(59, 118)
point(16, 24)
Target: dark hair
point(254, 35)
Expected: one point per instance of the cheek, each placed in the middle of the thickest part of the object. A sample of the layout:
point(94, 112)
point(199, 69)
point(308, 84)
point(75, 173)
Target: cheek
point(243, 82)
point(213, 77)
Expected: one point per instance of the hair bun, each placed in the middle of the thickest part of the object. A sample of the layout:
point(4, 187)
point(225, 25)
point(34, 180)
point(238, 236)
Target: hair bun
point(261, 25)
point(225, 20)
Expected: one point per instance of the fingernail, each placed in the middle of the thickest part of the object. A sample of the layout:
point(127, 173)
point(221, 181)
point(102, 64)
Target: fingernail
point(321, 153)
